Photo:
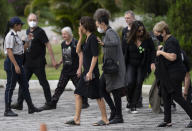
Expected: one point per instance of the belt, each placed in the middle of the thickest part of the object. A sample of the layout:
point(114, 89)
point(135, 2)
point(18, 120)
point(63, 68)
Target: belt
point(19, 55)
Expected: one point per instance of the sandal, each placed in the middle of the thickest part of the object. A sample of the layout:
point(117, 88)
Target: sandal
point(164, 124)
point(72, 122)
point(100, 123)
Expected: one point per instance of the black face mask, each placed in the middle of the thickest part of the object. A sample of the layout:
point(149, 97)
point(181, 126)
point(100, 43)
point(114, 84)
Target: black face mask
point(160, 38)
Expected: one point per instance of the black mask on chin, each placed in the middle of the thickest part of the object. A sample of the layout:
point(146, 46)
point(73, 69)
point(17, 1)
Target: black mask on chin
point(160, 38)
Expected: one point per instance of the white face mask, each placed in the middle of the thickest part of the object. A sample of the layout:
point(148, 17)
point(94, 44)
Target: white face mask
point(32, 24)
point(100, 30)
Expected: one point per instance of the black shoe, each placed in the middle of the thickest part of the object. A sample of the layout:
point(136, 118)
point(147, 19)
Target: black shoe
point(128, 105)
point(139, 105)
point(17, 106)
point(133, 111)
point(112, 116)
point(33, 109)
point(84, 106)
point(173, 108)
point(116, 120)
point(10, 113)
point(47, 107)
point(189, 125)
point(164, 124)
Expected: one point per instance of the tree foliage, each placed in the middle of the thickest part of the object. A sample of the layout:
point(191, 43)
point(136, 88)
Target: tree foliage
point(68, 13)
point(5, 12)
point(179, 19)
point(157, 7)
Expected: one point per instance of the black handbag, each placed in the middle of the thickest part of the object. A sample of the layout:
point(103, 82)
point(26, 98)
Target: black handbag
point(110, 66)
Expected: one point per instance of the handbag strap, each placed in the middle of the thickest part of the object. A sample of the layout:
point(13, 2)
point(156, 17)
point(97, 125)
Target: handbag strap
point(115, 55)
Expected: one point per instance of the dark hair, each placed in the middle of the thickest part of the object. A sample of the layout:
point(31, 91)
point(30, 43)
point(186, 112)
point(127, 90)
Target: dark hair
point(132, 36)
point(88, 23)
point(102, 15)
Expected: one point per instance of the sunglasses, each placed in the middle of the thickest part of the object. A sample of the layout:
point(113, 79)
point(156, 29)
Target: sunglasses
point(140, 31)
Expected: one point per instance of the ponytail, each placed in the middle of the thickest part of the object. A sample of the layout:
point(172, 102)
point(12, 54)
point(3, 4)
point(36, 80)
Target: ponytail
point(7, 30)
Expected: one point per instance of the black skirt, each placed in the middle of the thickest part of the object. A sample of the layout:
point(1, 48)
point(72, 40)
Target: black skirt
point(89, 89)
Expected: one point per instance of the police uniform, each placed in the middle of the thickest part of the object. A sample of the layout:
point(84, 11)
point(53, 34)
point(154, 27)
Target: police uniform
point(12, 41)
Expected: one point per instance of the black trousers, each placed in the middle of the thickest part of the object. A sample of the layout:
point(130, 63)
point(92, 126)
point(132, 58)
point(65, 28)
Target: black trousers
point(115, 106)
point(41, 75)
point(63, 80)
point(134, 79)
point(177, 78)
point(13, 78)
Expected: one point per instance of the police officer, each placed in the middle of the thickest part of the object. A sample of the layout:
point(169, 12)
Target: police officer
point(13, 65)
point(35, 60)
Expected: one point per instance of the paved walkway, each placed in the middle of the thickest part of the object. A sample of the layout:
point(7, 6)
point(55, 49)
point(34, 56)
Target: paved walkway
point(145, 120)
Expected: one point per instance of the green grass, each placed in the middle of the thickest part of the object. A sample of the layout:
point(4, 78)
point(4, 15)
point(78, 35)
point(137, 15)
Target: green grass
point(53, 74)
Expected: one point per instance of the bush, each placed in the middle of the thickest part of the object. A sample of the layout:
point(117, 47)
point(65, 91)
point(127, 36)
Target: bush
point(179, 19)
point(149, 20)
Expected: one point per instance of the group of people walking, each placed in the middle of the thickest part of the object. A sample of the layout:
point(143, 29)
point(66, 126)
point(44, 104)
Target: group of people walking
point(126, 65)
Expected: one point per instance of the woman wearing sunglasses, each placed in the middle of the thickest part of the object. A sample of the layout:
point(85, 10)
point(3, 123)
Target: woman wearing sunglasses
point(139, 60)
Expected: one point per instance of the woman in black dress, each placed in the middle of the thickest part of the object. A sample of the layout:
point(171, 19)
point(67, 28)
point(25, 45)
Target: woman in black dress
point(88, 84)
point(139, 59)
point(170, 71)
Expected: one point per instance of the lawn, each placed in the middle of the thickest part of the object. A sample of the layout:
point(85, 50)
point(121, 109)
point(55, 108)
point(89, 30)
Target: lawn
point(52, 73)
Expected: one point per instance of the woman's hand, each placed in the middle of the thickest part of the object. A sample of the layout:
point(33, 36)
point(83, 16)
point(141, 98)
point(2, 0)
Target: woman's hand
point(78, 48)
point(78, 72)
point(158, 53)
point(159, 47)
point(80, 32)
point(100, 41)
point(89, 76)
point(185, 96)
point(17, 69)
point(153, 67)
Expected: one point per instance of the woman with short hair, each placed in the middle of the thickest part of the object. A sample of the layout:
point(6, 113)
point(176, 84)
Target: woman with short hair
point(170, 72)
point(88, 83)
point(111, 83)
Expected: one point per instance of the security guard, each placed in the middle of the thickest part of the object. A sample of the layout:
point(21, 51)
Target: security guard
point(13, 65)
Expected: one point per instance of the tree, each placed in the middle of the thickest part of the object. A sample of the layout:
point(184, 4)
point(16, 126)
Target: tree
point(157, 7)
point(179, 19)
point(68, 13)
point(5, 12)
point(18, 6)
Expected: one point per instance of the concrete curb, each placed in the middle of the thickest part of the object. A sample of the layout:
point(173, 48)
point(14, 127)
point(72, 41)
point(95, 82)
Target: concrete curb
point(34, 84)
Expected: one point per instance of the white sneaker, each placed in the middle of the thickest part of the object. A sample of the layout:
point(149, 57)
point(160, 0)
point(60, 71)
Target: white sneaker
point(133, 111)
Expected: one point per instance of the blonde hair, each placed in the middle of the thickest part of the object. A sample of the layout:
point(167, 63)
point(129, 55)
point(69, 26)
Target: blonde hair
point(68, 30)
point(160, 26)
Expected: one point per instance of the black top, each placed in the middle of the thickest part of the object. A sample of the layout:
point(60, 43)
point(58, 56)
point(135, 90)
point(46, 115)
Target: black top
point(125, 32)
point(135, 56)
point(70, 57)
point(172, 46)
point(185, 60)
point(142, 55)
point(90, 49)
point(35, 56)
